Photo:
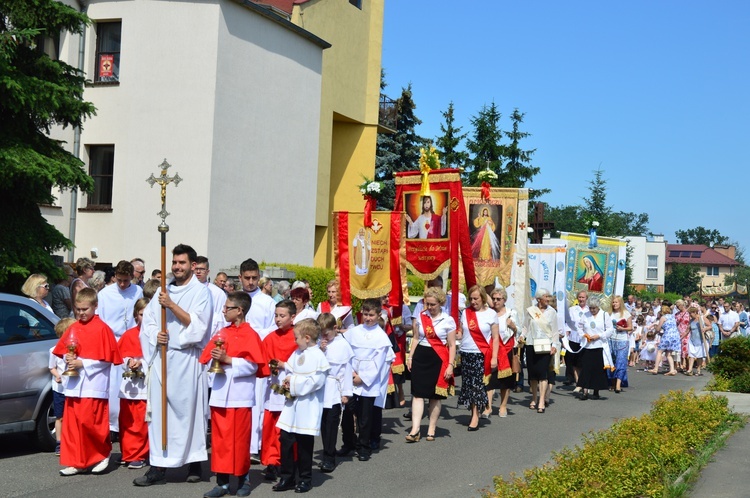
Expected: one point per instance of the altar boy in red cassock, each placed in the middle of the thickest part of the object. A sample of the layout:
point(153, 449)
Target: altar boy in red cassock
point(85, 438)
point(242, 358)
point(133, 394)
point(278, 345)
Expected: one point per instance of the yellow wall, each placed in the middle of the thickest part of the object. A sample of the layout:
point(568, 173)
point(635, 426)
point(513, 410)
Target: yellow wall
point(349, 105)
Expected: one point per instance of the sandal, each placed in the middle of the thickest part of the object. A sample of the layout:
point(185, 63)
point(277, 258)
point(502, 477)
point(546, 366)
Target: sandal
point(430, 437)
point(532, 406)
point(413, 438)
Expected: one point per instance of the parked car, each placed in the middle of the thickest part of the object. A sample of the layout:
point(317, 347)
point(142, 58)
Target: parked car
point(27, 332)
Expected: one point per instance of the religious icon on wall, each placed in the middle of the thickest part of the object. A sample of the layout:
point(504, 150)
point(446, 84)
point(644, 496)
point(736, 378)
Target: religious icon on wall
point(426, 216)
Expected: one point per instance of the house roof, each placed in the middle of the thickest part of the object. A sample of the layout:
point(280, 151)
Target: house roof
point(697, 254)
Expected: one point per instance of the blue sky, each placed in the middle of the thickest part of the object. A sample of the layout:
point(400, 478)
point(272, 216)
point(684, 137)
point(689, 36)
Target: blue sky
point(653, 92)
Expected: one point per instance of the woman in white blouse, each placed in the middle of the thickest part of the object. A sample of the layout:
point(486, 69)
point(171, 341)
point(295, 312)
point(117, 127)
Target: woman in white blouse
point(504, 379)
point(597, 329)
point(431, 356)
point(542, 338)
point(480, 343)
point(36, 288)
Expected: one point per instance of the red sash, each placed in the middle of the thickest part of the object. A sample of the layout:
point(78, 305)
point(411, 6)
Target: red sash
point(503, 364)
point(325, 307)
point(397, 366)
point(480, 341)
point(443, 387)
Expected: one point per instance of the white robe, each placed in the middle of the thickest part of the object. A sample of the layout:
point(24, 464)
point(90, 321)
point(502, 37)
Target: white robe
point(308, 370)
point(187, 390)
point(305, 313)
point(339, 382)
point(116, 310)
point(235, 388)
point(262, 311)
point(373, 355)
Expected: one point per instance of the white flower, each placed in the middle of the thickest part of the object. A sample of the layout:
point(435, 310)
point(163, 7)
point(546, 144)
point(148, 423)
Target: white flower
point(373, 187)
point(594, 223)
point(363, 191)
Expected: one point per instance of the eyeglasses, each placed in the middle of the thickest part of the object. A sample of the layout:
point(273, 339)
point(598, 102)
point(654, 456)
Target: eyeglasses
point(227, 308)
point(44, 286)
point(498, 298)
point(200, 269)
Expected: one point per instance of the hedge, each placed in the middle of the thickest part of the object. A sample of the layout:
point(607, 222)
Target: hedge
point(318, 278)
point(635, 457)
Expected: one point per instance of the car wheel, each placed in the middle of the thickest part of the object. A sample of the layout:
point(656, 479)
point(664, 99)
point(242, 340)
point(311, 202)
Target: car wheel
point(45, 426)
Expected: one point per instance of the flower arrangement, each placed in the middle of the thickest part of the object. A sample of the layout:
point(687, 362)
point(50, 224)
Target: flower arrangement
point(428, 158)
point(371, 187)
point(487, 175)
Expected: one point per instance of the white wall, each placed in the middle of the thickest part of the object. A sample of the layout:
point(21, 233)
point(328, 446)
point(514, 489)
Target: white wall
point(642, 248)
point(232, 100)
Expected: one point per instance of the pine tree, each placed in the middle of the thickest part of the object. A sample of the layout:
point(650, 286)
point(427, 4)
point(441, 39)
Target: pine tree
point(518, 172)
point(595, 206)
point(448, 143)
point(484, 145)
point(37, 93)
point(400, 151)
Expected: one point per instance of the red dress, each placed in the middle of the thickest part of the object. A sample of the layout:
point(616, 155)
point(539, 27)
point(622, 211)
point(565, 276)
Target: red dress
point(278, 345)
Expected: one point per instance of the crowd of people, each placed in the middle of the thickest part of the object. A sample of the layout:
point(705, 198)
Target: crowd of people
point(264, 373)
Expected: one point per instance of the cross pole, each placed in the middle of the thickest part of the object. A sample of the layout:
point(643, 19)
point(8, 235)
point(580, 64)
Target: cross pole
point(163, 180)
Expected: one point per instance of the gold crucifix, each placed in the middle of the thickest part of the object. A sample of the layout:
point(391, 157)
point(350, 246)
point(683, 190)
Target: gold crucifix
point(163, 180)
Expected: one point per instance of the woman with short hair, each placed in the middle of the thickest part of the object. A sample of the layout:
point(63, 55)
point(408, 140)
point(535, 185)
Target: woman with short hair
point(597, 329)
point(503, 380)
point(542, 341)
point(36, 288)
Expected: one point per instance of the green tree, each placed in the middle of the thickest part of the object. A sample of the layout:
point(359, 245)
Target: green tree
point(448, 144)
point(399, 152)
point(484, 145)
point(37, 93)
point(518, 171)
point(701, 236)
point(682, 279)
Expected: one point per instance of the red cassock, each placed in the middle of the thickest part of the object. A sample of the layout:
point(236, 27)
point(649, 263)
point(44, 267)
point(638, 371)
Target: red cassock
point(132, 419)
point(231, 427)
point(278, 345)
point(85, 432)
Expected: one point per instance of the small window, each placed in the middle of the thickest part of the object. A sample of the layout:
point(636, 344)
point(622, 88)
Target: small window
point(101, 169)
point(108, 52)
point(674, 254)
point(21, 323)
point(652, 271)
point(712, 271)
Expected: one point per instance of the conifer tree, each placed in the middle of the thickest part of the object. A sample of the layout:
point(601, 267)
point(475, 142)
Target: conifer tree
point(484, 145)
point(448, 144)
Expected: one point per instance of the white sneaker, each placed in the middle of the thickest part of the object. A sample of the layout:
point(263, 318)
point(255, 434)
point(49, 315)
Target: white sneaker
point(577, 390)
point(69, 471)
point(101, 466)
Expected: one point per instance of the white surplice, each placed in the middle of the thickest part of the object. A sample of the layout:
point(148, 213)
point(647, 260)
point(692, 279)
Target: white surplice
point(308, 370)
point(373, 355)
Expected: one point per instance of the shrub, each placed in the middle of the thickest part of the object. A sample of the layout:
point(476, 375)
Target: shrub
point(733, 359)
point(740, 384)
point(318, 278)
point(635, 457)
point(718, 383)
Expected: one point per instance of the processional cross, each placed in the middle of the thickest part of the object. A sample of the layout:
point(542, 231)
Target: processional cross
point(163, 180)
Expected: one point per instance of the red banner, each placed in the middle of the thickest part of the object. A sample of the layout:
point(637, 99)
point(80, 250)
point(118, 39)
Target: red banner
point(106, 65)
point(369, 259)
point(436, 227)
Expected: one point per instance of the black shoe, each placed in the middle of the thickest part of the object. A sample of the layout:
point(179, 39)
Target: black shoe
point(284, 485)
point(407, 415)
point(363, 458)
point(153, 476)
point(327, 467)
point(584, 397)
point(194, 473)
point(344, 451)
point(595, 396)
point(216, 492)
point(472, 429)
point(271, 473)
point(243, 488)
point(303, 487)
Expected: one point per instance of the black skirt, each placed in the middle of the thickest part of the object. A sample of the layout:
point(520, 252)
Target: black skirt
point(573, 360)
point(425, 370)
point(508, 382)
point(592, 375)
point(537, 364)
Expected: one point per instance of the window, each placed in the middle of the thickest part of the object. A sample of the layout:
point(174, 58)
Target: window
point(712, 271)
point(108, 52)
point(652, 270)
point(101, 169)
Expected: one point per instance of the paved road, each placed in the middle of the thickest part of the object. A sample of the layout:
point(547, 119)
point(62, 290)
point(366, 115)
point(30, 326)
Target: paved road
point(457, 463)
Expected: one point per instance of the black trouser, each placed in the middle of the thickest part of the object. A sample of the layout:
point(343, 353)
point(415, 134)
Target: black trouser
point(377, 424)
point(348, 436)
point(303, 465)
point(365, 419)
point(329, 432)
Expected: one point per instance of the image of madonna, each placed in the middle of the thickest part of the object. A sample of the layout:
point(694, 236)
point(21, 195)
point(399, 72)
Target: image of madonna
point(591, 274)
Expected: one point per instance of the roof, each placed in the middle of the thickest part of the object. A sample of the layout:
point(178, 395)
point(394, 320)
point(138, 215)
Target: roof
point(697, 254)
point(269, 14)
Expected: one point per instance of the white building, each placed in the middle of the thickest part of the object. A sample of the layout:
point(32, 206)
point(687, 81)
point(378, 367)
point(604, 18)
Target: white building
point(229, 93)
point(647, 262)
